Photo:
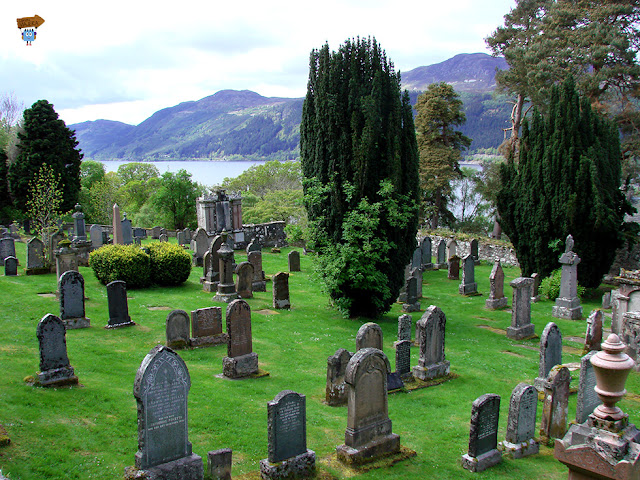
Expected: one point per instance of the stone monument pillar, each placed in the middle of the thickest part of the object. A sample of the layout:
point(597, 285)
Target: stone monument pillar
point(81, 244)
point(117, 226)
point(568, 304)
point(226, 288)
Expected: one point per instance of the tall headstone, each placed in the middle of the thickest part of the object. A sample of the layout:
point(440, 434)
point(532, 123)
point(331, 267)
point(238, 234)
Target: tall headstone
point(412, 304)
point(441, 255)
point(259, 284)
point(483, 434)
point(72, 312)
point(416, 258)
point(118, 305)
point(568, 303)
point(403, 359)
point(244, 280)
point(432, 362)
point(453, 270)
point(368, 435)
point(521, 326)
point(404, 327)
point(54, 240)
point(55, 369)
point(7, 248)
point(161, 389)
point(206, 327)
point(417, 274)
point(287, 439)
point(550, 353)
point(177, 329)
point(473, 251)
point(336, 389)
point(496, 298)
point(226, 290)
point(36, 258)
point(163, 237)
point(556, 405)
point(588, 400)
point(593, 335)
point(181, 239)
point(369, 336)
point(95, 234)
point(241, 360)
point(468, 286)
point(452, 248)
point(281, 290)
point(117, 226)
point(127, 231)
point(79, 227)
point(200, 245)
point(294, 261)
point(425, 246)
point(211, 264)
point(521, 425)
point(402, 295)
point(10, 267)
point(535, 295)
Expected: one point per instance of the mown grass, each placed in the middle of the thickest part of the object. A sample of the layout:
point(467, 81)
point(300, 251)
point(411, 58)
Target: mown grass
point(91, 431)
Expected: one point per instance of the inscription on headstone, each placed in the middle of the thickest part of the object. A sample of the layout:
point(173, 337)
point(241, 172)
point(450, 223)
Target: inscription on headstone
point(483, 434)
point(588, 400)
point(521, 425)
point(72, 312)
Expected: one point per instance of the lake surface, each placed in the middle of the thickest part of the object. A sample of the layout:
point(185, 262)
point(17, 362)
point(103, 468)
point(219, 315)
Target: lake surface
point(205, 173)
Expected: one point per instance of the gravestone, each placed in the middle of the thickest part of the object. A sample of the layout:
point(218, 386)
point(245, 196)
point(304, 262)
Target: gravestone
point(606, 300)
point(281, 290)
point(416, 258)
point(417, 274)
point(441, 255)
point(537, 279)
point(369, 336)
point(7, 248)
point(588, 400)
point(473, 251)
point(468, 286)
point(403, 359)
point(550, 353)
point(288, 456)
point(163, 237)
point(55, 369)
point(425, 246)
point(483, 434)
point(139, 232)
point(211, 264)
point(259, 284)
point(630, 335)
point(187, 234)
point(368, 435)
point(127, 231)
point(496, 298)
point(402, 295)
point(66, 258)
point(336, 390)
point(10, 267)
point(36, 260)
point(79, 225)
point(118, 305)
point(452, 248)
point(155, 232)
point(254, 246)
point(161, 389)
point(54, 240)
point(163, 231)
point(593, 335)
point(521, 425)
point(404, 327)
point(117, 226)
point(453, 270)
point(521, 326)
point(294, 261)
point(177, 329)
point(412, 304)
point(568, 303)
point(431, 328)
point(72, 312)
point(244, 280)
point(241, 360)
point(206, 327)
point(556, 405)
point(200, 245)
point(219, 464)
point(226, 289)
point(95, 234)
point(181, 238)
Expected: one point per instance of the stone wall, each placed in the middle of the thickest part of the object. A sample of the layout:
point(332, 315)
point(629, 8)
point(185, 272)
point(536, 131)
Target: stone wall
point(486, 251)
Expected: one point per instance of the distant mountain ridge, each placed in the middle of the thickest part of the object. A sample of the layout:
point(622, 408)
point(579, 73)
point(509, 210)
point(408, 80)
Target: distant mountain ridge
point(232, 124)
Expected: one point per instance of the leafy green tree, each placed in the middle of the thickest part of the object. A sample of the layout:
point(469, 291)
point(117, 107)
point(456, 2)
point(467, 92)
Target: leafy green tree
point(439, 112)
point(45, 140)
point(139, 181)
point(90, 173)
point(44, 202)
point(566, 182)
point(471, 208)
point(175, 199)
point(98, 201)
point(267, 177)
point(360, 164)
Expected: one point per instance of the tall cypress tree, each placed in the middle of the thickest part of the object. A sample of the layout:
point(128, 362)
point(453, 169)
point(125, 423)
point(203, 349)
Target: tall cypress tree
point(360, 162)
point(567, 181)
point(45, 140)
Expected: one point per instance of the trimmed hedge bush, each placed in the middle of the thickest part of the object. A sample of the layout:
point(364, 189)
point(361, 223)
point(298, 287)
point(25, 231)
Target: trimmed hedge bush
point(121, 262)
point(170, 264)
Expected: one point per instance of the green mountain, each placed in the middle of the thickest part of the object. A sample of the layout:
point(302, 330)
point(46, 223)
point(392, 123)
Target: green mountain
point(233, 125)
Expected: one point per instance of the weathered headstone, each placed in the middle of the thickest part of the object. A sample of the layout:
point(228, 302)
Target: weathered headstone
point(281, 290)
point(468, 286)
point(412, 304)
point(568, 303)
point(556, 405)
point(432, 362)
point(473, 251)
point(483, 434)
point(403, 358)
point(163, 237)
point(206, 327)
point(593, 335)
point(294, 261)
point(425, 246)
point(36, 259)
point(177, 329)
point(10, 266)
point(117, 226)
point(219, 464)
point(535, 295)
point(521, 326)
point(54, 240)
point(368, 435)
point(127, 231)
point(161, 389)
point(452, 248)
point(139, 232)
point(630, 335)
point(211, 264)
point(55, 369)
point(453, 270)
point(181, 238)
point(417, 274)
point(369, 336)
point(259, 284)
point(496, 298)
point(226, 289)
point(241, 360)
point(606, 300)
point(287, 439)
point(72, 312)
point(404, 327)
point(254, 246)
point(441, 255)
point(155, 232)
point(416, 258)
point(95, 234)
point(66, 258)
point(201, 244)
point(336, 390)
point(7, 248)
point(118, 305)
point(244, 280)
point(550, 353)
point(521, 425)
point(588, 400)
point(402, 295)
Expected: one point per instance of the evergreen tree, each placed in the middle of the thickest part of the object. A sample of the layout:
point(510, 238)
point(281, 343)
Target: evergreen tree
point(5, 199)
point(360, 164)
point(45, 140)
point(566, 182)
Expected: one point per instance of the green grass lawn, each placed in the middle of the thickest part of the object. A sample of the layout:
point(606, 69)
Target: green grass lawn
point(91, 431)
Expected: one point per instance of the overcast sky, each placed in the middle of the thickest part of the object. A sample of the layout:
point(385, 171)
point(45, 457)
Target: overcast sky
point(123, 60)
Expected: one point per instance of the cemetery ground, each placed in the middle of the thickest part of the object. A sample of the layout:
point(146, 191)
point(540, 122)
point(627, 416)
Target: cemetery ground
point(90, 431)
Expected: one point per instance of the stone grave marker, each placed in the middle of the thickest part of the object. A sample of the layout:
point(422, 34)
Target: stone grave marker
point(441, 255)
point(55, 369)
point(181, 238)
point(402, 295)
point(187, 235)
point(161, 389)
point(201, 244)
point(606, 300)
point(10, 266)
point(211, 264)
point(369, 336)
point(593, 335)
point(219, 464)
point(368, 435)
point(550, 353)
point(294, 261)
point(139, 232)
point(568, 303)
point(66, 258)
point(556, 405)
point(453, 270)
point(432, 362)
point(254, 246)
point(259, 284)
point(95, 235)
point(117, 226)
point(425, 246)
point(118, 305)
point(416, 258)
point(226, 289)
point(403, 358)
point(412, 304)
point(127, 231)
point(483, 434)
point(588, 400)
point(473, 251)
point(535, 296)
point(404, 327)
point(281, 290)
point(177, 329)
point(336, 390)
point(7, 248)
point(288, 455)
point(206, 327)
point(72, 312)
point(468, 286)
point(521, 326)
point(155, 232)
point(521, 425)
point(54, 239)
point(496, 298)
point(244, 280)
point(241, 360)
point(164, 231)
point(452, 248)
point(417, 274)
point(163, 237)
point(36, 259)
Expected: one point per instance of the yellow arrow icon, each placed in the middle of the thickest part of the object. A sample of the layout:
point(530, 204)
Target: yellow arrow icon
point(26, 22)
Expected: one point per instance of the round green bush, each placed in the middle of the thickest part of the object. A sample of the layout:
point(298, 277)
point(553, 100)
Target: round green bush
point(170, 263)
point(550, 286)
point(121, 262)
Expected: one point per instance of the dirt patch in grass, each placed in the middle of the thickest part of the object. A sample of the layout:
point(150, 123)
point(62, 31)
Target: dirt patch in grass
point(153, 309)
point(514, 354)
point(417, 384)
point(529, 347)
point(350, 471)
point(575, 339)
point(47, 295)
point(573, 350)
point(266, 311)
point(493, 329)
